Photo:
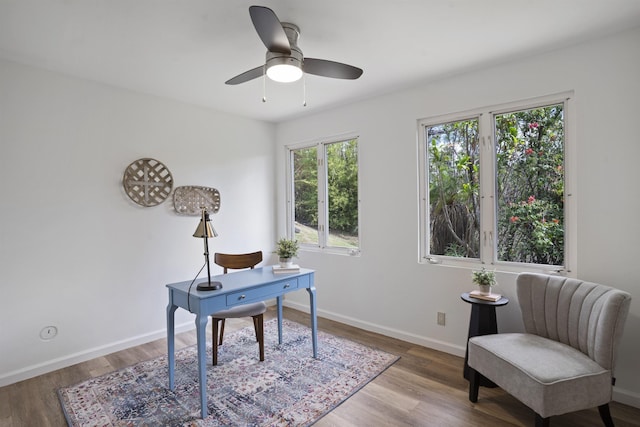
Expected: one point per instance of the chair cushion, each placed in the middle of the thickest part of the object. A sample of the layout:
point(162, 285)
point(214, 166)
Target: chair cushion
point(549, 377)
point(245, 310)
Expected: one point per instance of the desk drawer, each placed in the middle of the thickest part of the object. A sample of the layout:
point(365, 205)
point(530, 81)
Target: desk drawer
point(263, 292)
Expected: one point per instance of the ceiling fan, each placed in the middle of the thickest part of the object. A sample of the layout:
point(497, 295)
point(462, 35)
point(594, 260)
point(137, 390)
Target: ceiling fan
point(284, 60)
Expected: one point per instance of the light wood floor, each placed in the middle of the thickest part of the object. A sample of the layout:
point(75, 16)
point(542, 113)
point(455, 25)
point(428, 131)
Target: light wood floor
point(424, 388)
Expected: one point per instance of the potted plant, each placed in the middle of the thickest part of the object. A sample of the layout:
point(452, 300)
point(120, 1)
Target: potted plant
point(485, 279)
point(286, 250)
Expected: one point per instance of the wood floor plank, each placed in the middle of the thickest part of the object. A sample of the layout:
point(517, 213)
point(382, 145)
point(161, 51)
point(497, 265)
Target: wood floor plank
point(424, 388)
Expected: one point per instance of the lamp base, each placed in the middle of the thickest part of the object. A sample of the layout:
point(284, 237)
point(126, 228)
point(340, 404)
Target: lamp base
point(209, 286)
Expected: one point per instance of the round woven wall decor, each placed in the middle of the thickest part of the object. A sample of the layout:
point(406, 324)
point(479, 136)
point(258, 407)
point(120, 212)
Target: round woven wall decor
point(147, 182)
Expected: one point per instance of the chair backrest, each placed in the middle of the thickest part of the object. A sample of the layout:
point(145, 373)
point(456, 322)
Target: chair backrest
point(587, 316)
point(237, 261)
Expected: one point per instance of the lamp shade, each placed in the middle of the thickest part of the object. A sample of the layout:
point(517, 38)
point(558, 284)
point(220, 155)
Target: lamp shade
point(205, 229)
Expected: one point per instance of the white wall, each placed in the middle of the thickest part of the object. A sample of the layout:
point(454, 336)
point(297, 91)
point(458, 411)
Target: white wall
point(75, 252)
point(386, 290)
point(96, 264)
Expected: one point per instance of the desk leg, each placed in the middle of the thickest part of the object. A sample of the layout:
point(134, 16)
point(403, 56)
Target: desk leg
point(171, 357)
point(201, 326)
point(279, 304)
point(314, 320)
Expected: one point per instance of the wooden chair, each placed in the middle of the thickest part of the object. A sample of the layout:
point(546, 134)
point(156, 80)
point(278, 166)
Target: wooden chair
point(254, 310)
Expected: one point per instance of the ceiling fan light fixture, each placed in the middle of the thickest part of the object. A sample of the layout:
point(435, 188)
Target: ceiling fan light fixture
point(284, 73)
point(284, 69)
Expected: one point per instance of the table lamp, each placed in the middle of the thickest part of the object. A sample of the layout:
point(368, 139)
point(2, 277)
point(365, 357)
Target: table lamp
point(204, 231)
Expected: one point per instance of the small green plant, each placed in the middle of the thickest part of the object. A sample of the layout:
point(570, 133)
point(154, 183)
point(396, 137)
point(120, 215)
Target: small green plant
point(484, 277)
point(287, 248)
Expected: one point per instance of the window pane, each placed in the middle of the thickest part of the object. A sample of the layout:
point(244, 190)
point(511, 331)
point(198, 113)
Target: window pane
point(454, 178)
point(305, 183)
point(530, 185)
point(342, 182)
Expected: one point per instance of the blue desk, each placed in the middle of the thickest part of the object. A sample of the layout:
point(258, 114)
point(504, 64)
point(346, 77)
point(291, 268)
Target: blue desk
point(237, 288)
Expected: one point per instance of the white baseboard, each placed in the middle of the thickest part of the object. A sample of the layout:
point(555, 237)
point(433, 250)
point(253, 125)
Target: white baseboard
point(71, 359)
point(627, 397)
point(619, 395)
point(83, 356)
point(390, 332)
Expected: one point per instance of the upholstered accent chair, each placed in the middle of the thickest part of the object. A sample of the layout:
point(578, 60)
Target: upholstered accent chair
point(565, 359)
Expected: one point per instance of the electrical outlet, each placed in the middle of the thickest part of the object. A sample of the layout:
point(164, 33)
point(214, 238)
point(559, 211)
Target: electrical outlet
point(441, 318)
point(48, 333)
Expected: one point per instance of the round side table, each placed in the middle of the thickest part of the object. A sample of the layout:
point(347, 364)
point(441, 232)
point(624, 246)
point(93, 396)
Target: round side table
point(482, 322)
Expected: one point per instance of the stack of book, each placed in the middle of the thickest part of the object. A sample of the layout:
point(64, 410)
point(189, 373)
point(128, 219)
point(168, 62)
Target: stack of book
point(294, 268)
point(487, 297)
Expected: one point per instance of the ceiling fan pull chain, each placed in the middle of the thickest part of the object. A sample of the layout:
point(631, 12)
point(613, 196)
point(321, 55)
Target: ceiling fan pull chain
point(304, 91)
point(264, 84)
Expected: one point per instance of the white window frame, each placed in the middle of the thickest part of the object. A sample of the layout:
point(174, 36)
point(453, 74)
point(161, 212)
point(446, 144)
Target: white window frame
point(488, 220)
point(323, 202)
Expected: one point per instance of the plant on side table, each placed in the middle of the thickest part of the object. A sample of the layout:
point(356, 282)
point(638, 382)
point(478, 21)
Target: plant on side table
point(485, 279)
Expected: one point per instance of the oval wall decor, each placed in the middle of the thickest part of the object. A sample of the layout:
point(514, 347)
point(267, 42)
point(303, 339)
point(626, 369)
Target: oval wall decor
point(147, 182)
point(189, 200)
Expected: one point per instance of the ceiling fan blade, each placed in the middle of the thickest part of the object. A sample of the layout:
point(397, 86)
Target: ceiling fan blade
point(325, 68)
point(269, 29)
point(246, 76)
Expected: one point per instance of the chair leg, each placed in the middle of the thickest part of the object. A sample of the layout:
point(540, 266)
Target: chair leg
point(221, 331)
point(474, 384)
point(605, 414)
point(258, 323)
point(214, 340)
point(255, 326)
point(542, 422)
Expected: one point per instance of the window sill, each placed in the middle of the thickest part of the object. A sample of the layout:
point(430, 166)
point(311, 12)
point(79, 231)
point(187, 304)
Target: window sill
point(498, 266)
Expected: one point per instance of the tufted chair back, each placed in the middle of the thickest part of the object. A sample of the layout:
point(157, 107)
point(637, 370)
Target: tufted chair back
point(587, 316)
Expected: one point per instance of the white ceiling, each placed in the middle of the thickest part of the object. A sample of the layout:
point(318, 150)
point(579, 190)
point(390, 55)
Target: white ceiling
point(187, 49)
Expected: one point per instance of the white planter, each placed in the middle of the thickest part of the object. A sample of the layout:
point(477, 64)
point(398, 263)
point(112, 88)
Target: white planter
point(286, 262)
point(485, 289)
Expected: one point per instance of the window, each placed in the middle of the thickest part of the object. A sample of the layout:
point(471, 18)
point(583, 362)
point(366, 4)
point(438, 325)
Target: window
point(323, 200)
point(505, 202)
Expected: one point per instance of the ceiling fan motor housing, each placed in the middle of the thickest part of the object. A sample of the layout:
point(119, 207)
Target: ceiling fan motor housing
point(295, 58)
point(275, 58)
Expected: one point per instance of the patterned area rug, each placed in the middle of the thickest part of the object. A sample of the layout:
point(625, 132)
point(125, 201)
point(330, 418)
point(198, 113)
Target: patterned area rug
point(290, 388)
